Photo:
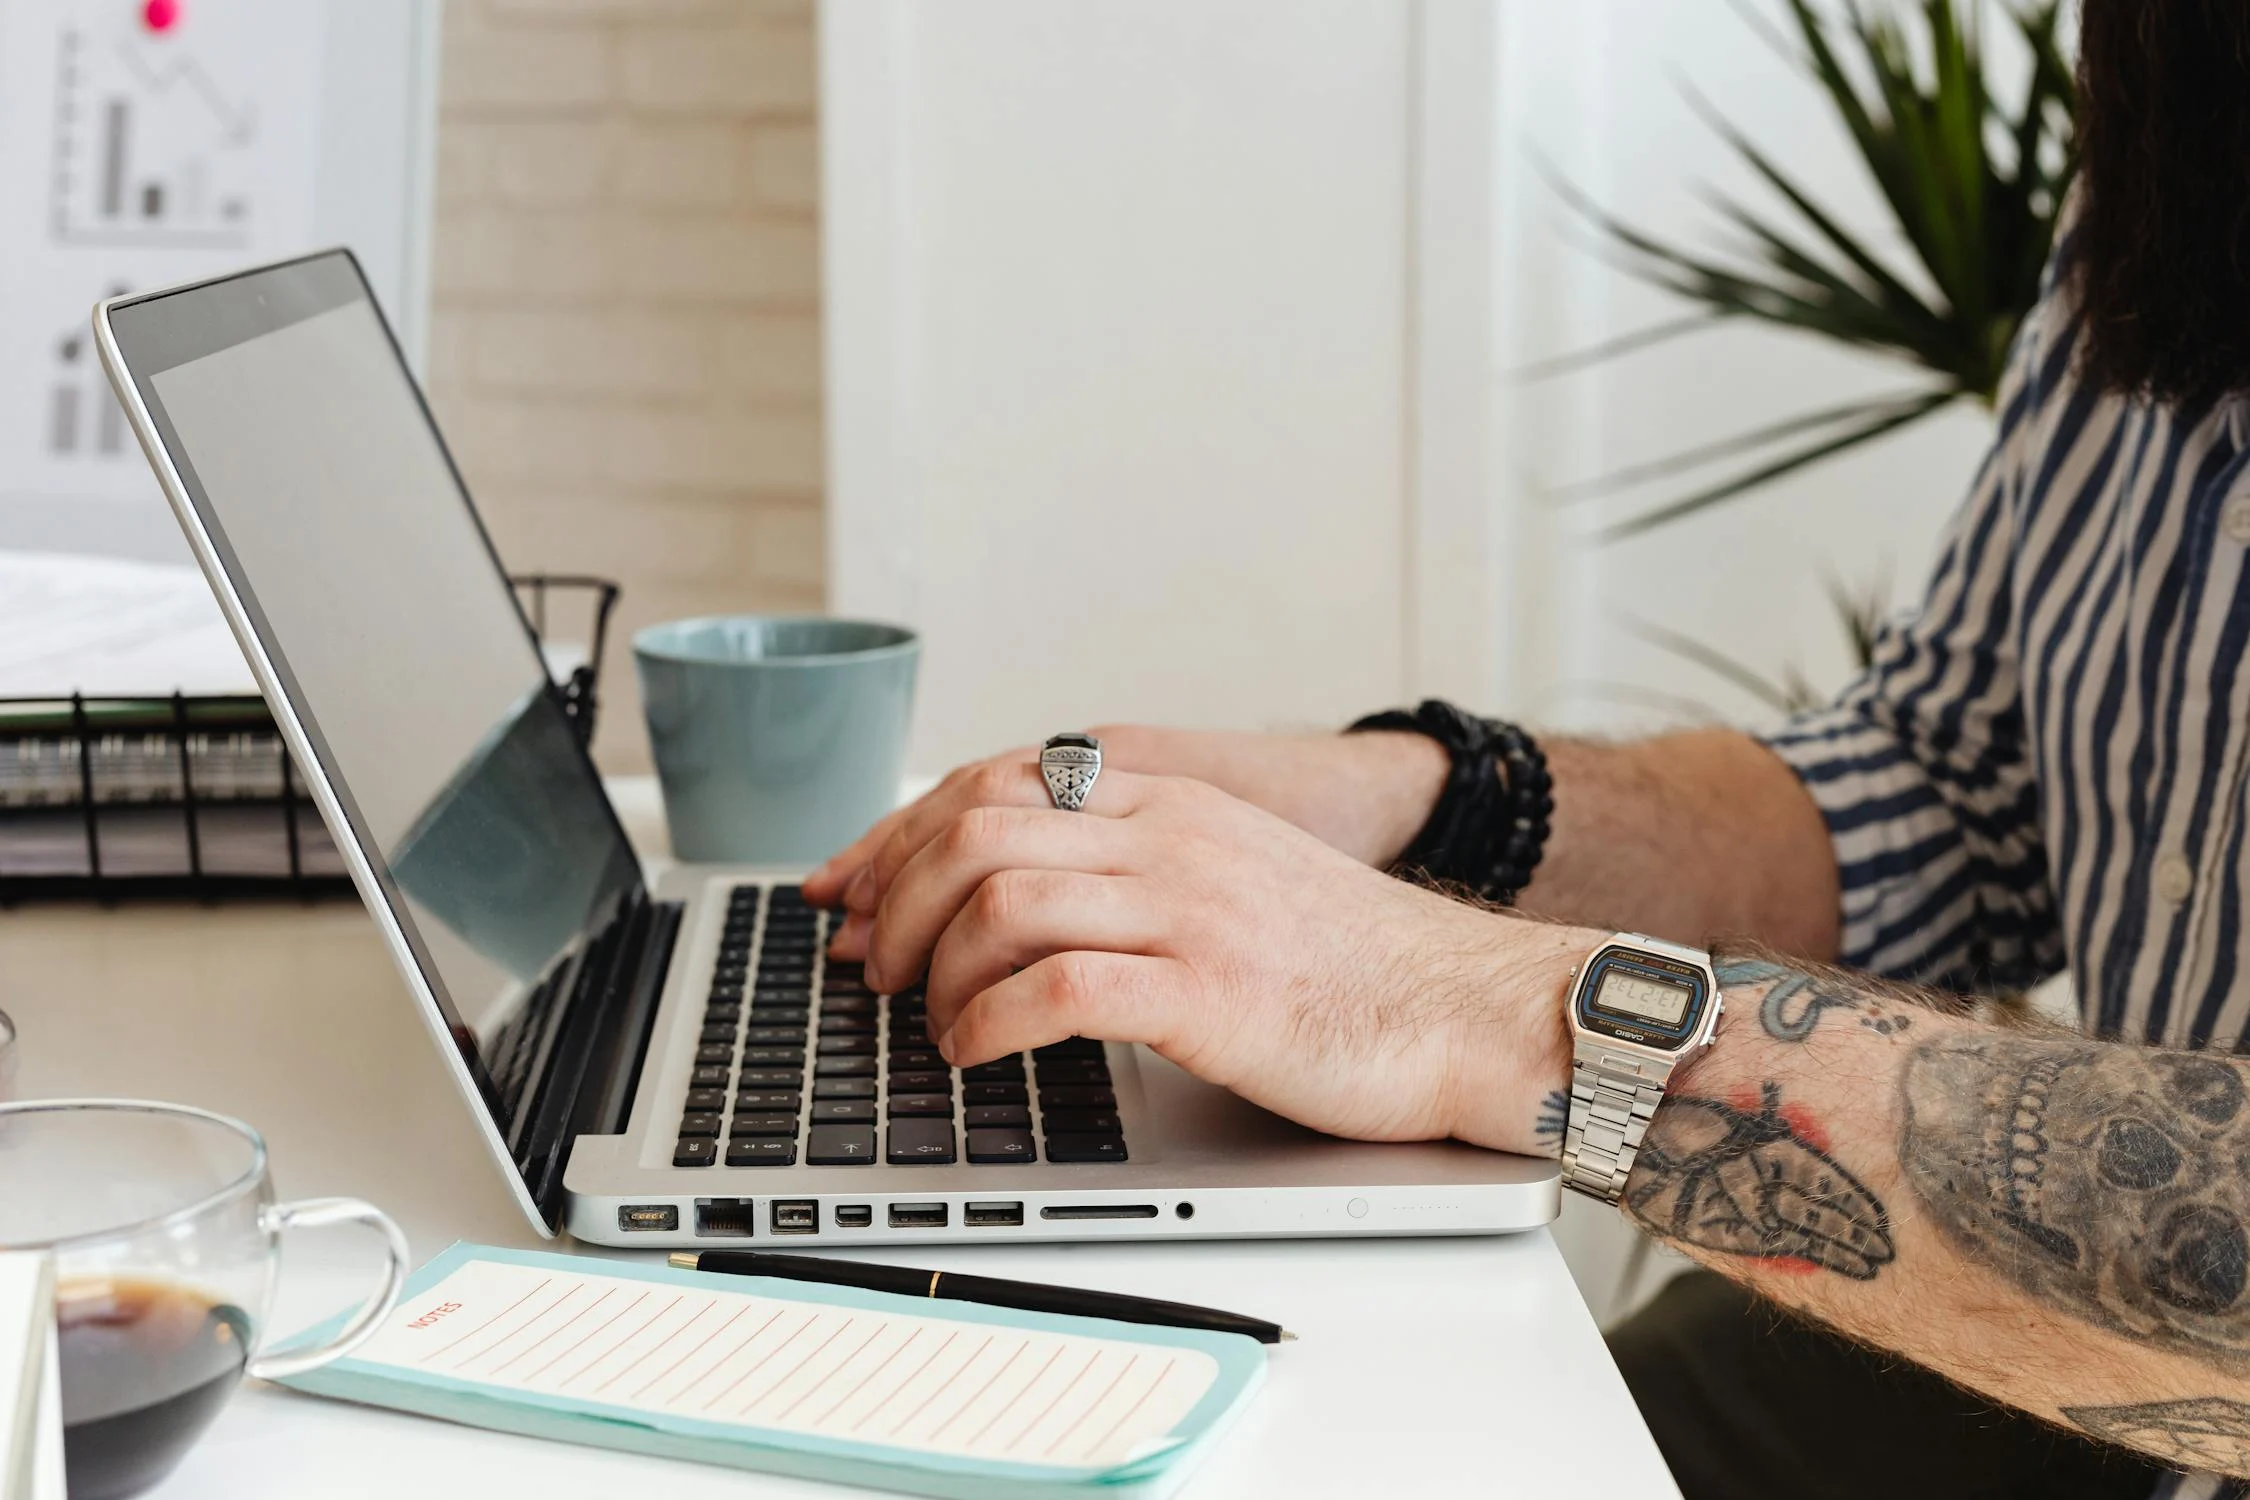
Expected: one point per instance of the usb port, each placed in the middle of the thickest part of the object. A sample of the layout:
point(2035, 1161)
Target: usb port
point(795, 1216)
point(854, 1216)
point(639, 1218)
point(992, 1213)
point(918, 1216)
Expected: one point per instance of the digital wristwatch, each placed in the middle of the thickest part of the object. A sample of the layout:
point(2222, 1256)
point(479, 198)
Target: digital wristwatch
point(1637, 1007)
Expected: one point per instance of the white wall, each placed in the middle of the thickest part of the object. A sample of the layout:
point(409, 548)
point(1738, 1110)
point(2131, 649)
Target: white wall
point(1171, 353)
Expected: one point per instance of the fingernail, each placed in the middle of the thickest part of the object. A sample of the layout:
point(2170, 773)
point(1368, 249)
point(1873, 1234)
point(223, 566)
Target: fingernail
point(860, 894)
point(945, 1045)
point(850, 940)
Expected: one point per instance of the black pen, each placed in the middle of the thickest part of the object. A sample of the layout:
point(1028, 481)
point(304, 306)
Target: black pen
point(991, 1291)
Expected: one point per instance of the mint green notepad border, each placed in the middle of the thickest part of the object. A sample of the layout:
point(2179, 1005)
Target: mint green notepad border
point(1241, 1366)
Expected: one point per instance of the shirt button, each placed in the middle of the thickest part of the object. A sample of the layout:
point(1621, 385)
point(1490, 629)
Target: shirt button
point(2173, 879)
point(2236, 522)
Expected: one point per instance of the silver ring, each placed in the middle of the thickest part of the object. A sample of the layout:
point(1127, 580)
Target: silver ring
point(1071, 763)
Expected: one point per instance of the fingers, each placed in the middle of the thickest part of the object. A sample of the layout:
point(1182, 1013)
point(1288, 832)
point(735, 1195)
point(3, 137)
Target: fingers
point(1115, 996)
point(946, 872)
point(1019, 917)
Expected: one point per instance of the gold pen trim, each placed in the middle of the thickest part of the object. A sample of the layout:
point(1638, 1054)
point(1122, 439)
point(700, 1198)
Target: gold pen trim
point(934, 1275)
point(684, 1260)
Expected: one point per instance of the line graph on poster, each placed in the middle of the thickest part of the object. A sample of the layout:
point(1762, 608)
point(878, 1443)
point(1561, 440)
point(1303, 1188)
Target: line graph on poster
point(152, 143)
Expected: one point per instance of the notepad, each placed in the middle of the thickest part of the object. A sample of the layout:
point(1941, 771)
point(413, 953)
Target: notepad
point(938, 1398)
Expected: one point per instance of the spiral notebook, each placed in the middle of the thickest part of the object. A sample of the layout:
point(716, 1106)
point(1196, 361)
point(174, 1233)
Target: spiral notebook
point(824, 1382)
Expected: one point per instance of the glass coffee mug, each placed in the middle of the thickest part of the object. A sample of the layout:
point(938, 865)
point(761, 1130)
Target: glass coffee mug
point(165, 1235)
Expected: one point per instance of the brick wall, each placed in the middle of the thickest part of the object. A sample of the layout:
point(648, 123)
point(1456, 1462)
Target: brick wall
point(625, 347)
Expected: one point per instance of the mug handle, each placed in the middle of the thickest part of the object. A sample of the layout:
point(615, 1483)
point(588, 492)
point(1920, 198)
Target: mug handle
point(321, 1213)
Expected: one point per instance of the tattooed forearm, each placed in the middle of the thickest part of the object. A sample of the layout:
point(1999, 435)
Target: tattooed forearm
point(1796, 999)
point(1753, 1178)
point(2100, 1178)
point(2210, 1434)
point(1553, 1122)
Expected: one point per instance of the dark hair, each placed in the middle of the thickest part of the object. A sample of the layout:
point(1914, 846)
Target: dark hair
point(2160, 259)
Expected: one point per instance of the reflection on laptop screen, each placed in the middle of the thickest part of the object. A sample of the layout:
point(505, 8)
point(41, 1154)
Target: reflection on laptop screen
point(320, 479)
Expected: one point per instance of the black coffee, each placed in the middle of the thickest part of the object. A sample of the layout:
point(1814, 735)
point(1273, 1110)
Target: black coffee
point(146, 1365)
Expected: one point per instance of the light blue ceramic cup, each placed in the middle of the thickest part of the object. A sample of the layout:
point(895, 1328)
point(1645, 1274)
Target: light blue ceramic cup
point(778, 740)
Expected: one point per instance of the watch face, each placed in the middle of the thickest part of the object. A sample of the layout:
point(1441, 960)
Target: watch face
point(1631, 995)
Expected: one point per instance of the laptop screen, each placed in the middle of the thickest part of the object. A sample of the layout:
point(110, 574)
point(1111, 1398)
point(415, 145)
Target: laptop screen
point(314, 467)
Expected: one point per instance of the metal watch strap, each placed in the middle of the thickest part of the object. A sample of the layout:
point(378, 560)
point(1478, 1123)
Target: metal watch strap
point(1612, 1097)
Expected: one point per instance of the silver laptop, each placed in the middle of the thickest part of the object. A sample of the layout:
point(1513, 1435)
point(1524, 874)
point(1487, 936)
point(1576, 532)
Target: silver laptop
point(670, 1066)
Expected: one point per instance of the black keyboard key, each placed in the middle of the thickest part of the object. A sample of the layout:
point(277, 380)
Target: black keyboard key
point(776, 1036)
point(1076, 1096)
point(695, 1151)
point(920, 1143)
point(709, 1076)
point(990, 1145)
point(834, 986)
point(998, 1116)
point(773, 1057)
point(842, 1111)
point(788, 968)
point(915, 1057)
point(1077, 1148)
point(716, 1031)
point(717, 1015)
point(714, 1052)
point(840, 1145)
point(994, 1093)
point(1073, 1070)
point(726, 993)
point(1006, 1070)
point(835, 1025)
point(790, 940)
point(761, 1151)
point(768, 1102)
point(843, 1088)
point(921, 1104)
point(706, 1099)
point(766, 996)
point(845, 1067)
point(1077, 1046)
point(1081, 1122)
point(792, 1016)
point(847, 1046)
point(699, 1122)
point(913, 1081)
point(763, 1125)
point(773, 1078)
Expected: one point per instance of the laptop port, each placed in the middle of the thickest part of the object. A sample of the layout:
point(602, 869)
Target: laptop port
point(854, 1216)
point(725, 1218)
point(992, 1213)
point(918, 1216)
point(1100, 1211)
point(795, 1216)
point(648, 1218)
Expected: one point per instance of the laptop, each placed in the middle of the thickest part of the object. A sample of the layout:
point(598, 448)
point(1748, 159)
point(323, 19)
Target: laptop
point(666, 1066)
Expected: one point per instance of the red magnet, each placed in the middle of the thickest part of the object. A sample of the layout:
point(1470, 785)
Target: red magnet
point(160, 15)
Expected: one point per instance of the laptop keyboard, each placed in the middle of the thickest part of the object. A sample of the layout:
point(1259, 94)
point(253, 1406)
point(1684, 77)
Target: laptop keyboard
point(876, 1083)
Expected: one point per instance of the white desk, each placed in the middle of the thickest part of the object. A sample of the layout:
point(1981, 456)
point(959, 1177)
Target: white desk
point(1425, 1367)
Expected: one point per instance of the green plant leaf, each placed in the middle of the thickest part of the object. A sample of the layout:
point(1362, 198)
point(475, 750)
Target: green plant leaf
point(1789, 463)
point(1697, 457)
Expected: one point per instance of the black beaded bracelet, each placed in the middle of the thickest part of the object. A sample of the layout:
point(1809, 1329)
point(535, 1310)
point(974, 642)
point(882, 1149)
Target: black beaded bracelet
point(1489, 827)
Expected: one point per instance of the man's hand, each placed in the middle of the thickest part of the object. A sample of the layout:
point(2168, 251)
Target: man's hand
point(1366, 794)
point(1239, 946)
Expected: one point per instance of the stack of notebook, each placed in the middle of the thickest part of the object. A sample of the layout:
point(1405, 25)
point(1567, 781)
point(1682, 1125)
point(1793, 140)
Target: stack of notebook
point(31, 1445)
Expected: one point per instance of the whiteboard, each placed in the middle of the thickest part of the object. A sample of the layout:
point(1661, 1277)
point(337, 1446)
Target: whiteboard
point(149, 142)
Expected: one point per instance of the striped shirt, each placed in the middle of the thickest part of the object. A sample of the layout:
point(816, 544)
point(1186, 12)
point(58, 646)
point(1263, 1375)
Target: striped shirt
point(2048, 764)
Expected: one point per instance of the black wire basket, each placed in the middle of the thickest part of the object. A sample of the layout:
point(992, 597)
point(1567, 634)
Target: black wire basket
point(111, 799)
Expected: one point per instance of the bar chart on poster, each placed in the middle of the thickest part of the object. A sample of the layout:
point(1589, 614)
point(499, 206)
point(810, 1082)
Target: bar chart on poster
point(164, 139)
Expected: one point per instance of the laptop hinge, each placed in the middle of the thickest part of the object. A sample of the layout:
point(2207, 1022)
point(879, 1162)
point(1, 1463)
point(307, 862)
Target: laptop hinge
point(605, 1031)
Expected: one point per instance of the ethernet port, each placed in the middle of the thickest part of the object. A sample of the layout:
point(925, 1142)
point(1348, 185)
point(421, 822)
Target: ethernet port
point(725, 1218)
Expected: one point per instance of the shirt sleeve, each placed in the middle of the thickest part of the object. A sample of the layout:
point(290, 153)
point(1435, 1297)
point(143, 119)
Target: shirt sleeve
point(1921, 767)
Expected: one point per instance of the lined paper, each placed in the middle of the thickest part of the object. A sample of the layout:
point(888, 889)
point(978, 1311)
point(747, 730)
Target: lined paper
point(926, 1384)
